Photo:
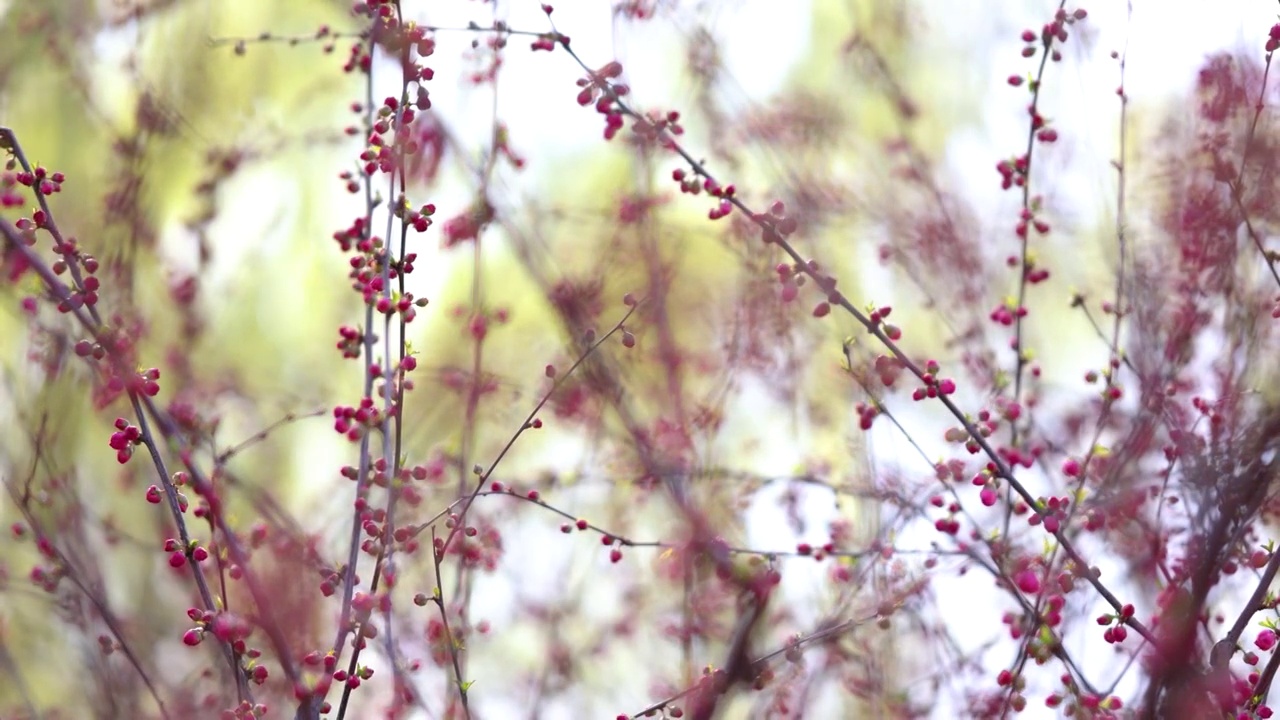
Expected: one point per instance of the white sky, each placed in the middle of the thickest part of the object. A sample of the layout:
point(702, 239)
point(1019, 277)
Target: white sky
point(762, 41)
point(1167, 42)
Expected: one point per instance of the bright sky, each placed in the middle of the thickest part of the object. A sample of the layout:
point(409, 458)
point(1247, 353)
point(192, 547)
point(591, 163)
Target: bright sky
point(763, 39)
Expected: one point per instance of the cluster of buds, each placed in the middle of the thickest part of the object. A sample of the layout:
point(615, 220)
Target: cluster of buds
point(124, 440)
point(598, 88)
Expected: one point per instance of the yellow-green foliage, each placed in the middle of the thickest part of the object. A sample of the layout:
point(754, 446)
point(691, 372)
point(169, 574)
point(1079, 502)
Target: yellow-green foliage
point(76, 86)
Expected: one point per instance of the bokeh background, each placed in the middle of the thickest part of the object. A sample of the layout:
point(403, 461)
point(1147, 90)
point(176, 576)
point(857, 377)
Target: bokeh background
point(189, 161)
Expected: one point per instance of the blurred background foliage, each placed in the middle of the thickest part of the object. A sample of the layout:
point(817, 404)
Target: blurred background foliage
point(189, 161)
